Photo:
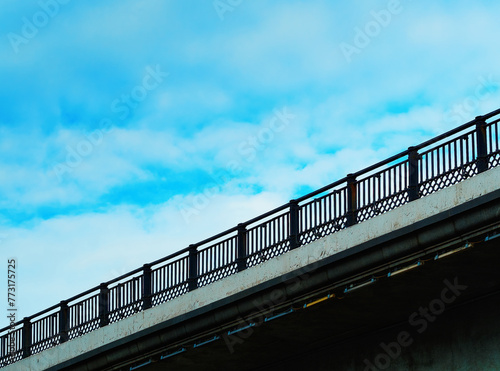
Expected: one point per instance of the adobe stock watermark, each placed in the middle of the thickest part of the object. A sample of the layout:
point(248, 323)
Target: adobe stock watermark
point(419, 320)
point(128, 102)
point(123, 106)
point(364, 35)
point(49, 9)
point(465, 109)
point(12, 302)
point(223, 6)
point(248, 150)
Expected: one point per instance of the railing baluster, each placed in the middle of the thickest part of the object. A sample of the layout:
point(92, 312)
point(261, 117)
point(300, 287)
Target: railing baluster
point(146, 286)
point(497, 137)
point(193, 268)
point(294, 225)
point(241, 251)
point(351, 200)
point(413, 187)
point(174, 274)
point(482, 149)
point(63, 321)
point(26, 344)
point(421, 173)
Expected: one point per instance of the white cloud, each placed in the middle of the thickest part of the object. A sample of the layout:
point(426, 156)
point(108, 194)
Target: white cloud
point(226, 79)
point(60, 257)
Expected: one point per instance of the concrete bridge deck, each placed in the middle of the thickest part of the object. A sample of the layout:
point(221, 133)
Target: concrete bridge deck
point(330, 304)
point(351, 276)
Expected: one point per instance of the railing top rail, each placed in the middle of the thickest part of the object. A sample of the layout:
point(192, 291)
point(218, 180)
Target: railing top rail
point(273, 211)
point(491, 114)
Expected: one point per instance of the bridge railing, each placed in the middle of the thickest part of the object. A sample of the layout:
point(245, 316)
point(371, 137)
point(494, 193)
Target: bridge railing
point(417, 172)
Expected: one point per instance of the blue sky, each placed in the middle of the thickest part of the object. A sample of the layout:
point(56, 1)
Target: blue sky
point(129, 129)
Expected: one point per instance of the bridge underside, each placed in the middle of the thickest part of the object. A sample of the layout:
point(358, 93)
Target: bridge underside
point(442, 312)
point(342, 333)
point(398, 269)
point(346, 332)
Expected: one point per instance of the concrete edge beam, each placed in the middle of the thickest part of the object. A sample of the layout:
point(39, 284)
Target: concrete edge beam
point(235, 286)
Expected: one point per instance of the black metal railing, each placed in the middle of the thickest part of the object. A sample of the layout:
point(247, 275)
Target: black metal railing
point(417, 172)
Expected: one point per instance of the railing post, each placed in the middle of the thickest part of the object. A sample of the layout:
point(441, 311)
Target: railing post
point(146, 286)
point(193, 268)
point(482, 149)
point(352, 200)
point(294, 225)
point(103, 305)
point(413, 186)
point(26, 337)
point(63, 321)
point(241, 251)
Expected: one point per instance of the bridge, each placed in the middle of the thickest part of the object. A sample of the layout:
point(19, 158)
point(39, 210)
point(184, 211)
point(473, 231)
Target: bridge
point(395, 265)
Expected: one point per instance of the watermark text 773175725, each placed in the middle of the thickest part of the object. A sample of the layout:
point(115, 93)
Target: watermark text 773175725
point(11, 298)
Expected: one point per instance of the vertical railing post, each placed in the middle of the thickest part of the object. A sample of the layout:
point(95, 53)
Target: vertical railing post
point(413, 186)
point(241, 250)
point(294, 224)
point(103, 305)
point(482, 149)
point(63, 321)
point(26, 344)
point(146, 286)
point(352, 200)
point(193, 268)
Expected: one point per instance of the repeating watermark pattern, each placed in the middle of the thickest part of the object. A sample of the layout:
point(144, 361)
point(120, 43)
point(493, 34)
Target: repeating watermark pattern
point(255, 143)
point(84, 148)
point(419, 320)
point(128, 102)
point(482, 92)
point(49, 9)
point(247, 150)
point(264, 309)
point(124, 106)
point(363, 36)
point(11, 302)
point(223, 6)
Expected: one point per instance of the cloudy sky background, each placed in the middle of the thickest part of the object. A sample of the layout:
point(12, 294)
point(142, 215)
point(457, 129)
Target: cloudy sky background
point(129, 130)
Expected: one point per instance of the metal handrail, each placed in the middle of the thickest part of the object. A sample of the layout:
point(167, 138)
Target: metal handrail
point(292, 226)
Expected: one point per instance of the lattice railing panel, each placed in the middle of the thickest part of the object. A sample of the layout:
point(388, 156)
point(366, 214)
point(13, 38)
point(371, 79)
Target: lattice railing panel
point(268, 239)
point(125, 299)
point(169, 294)
point(427, 168)
point(322, 230)
point(217, 261)
point(125, 312)
point(268, 253)
point(448, 179)
point(217, 274)
point(11, 347)
point(84, 317)
point(494, 160)
point(382, 206)
point(45, 333)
